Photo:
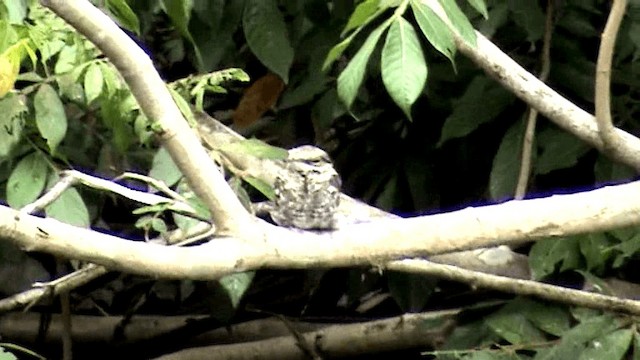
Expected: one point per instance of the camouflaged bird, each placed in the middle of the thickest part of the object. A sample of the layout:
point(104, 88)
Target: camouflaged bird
point(307, 190)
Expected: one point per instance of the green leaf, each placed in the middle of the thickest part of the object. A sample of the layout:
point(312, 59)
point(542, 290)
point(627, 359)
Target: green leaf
point(262, 186)
point(12, 108)
point(626, 250)
point(93, 82)
point(124, 15)
point(553, 319)
point(611, 346)
point(163, 168)
point(434, 29)
point(459, 21)
point(558, 150)
point(482, 102)
point(510, 324)
point(50, 116)
point(267, 37)
point(363, 14)
point(236, 285)
point(67, 59)
point(69, 208)
point(574, 341)
point(404, 70)
point(351, 77)
point(546, 254)
point(27, 180)
point(480, 7)
point(506, 164)
point(16, 11)
point(595, 247)
point(257, 148)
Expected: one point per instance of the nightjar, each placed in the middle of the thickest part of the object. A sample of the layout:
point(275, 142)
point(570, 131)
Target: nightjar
point(307, 190)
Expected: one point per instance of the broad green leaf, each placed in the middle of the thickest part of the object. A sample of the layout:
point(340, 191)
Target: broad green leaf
point(27, 180)
point(510, 324)
point(67, 59)
point(363, 14)
point(111, 79)
point(480, 7)
point(626, 250)
point(50, 116)
point(459, 21)
point(550, 318)
point(185, 222)
point(9, 68)
point(262, 186)
point(547, 254)
point(69, 208)
point(434, 29)
point(574, 342)
point(351, 77)
point(530, 16)
point(506, 164)
point(612, 346)
point(404, 70)
point(16, 11)
point(257, 148)
point(558, 150)
point(595, 247)
point(236, 285)
point(12, 108)
point(93, 82)
point(124, 15)
point(163, 168)
point(267, 37)
point(482, 102)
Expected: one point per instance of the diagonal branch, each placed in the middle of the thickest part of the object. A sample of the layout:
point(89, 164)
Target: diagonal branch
point(157, 104)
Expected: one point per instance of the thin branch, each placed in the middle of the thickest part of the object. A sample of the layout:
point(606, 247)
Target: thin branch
point(529, 134)
point(157, 104)
point(609, 137)
point(520, 287)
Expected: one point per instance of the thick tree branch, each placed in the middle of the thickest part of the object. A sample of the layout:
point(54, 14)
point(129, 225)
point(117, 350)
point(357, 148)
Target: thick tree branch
point(157, 104)
point(371, 243)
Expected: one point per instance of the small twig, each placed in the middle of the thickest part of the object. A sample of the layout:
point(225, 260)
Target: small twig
point(135, 195)
point(50, 196)
point(157, 184)
point(606, 130)
point(527, 146)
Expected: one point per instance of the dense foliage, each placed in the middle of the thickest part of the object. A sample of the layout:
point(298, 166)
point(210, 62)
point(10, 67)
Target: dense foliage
point(412, 127)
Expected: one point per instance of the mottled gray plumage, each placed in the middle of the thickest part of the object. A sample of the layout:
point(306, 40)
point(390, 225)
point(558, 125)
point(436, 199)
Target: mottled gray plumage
point(307, 190)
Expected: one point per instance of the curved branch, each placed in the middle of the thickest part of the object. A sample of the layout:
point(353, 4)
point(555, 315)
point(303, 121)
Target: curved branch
point(606, 129)
point(547, 101)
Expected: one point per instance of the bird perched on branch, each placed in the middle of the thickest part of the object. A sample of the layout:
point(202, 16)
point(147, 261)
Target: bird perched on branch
point(307, 190)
